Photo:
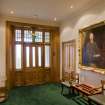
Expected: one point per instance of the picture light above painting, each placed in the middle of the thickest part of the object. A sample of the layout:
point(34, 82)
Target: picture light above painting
point(92, 47)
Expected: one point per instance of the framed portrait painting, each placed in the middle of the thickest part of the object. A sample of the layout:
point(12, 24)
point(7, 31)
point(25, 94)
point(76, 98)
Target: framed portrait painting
point(92, 46)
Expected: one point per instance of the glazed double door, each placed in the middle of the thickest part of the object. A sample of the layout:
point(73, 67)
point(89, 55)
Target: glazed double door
point(68, 57)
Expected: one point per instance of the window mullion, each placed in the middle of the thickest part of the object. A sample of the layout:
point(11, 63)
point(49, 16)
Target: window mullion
point(43, 50)
point(24, 56)
point(30, 60)
point(43, 57)
point(36, 56)
point(22, 52)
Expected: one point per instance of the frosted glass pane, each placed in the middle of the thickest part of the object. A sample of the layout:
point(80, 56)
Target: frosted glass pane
point(33, 56)
point(27, 56)
point(39, 56)
point(18, 57)
point(47, 56)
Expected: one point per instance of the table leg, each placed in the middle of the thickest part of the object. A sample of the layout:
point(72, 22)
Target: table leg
point(69, 90)
point(72, 90)
point(62, 86)
point(89, 102)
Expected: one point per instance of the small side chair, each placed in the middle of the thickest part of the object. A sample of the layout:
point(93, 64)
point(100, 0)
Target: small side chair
point(69, 80)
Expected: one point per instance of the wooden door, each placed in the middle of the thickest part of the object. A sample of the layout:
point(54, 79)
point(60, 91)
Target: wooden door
point(29, 57)
point(17, 72)
point(68, 58)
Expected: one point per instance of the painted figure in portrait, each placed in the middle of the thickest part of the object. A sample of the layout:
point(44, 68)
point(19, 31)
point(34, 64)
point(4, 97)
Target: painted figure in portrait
point(92, 51)
point(93, 48)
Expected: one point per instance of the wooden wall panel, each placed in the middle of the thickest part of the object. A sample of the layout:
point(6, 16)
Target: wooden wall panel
point(9, 61)
point(19, 79)
point(33, 77)
point(55, 69)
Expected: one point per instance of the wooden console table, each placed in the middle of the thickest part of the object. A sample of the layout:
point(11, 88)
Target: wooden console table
point(86, 89)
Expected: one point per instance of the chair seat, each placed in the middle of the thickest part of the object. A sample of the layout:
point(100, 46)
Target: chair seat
point(66, 83)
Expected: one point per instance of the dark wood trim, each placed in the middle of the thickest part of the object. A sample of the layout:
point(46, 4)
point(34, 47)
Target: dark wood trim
point(36, 26)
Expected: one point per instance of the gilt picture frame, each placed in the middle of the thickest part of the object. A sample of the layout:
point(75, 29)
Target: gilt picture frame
point(92, 48)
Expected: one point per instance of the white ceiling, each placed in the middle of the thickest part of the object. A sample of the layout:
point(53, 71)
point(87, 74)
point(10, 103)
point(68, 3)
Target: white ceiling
point(45, 9)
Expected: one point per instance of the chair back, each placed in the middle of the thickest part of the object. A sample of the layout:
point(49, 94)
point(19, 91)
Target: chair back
point(72, 76)
point(65, 77)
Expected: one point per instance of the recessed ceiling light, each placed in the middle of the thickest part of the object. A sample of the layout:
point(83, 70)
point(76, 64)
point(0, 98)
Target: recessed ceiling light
point(55, 19)
point(71, 6)
point(11, 12)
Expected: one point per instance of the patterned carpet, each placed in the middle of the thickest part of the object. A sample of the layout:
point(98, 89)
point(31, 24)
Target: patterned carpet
point(48, 94)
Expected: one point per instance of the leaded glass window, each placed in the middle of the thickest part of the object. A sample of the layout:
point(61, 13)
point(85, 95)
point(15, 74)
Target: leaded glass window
point(47, 37)
point(38, 36)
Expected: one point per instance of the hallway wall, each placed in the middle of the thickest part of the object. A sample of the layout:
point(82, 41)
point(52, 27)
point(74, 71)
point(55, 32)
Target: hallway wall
point(70, 30)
